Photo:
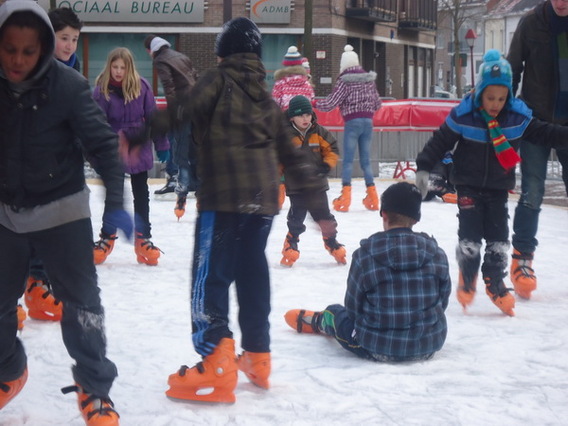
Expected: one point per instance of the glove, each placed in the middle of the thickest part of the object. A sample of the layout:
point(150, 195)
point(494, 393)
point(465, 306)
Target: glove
point(324, 169)
point(422, 179)
point(120, 219)
point(160, 123)
point(135, 138)
point(163, 156)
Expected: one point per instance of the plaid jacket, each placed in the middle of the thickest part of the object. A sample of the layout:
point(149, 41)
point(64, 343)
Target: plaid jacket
point(355, 93)
point(241, 136)
point(397, 291)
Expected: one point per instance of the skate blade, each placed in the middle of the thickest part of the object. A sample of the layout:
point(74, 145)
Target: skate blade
point(287, 263)
point(169, 196)
point(203, 394)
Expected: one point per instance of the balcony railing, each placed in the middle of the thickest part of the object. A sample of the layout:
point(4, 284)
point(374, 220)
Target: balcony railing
point(418, 14)
point(372, 10)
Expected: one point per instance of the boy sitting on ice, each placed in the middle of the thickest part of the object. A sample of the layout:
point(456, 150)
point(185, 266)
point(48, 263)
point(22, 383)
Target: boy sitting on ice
point(397, 290)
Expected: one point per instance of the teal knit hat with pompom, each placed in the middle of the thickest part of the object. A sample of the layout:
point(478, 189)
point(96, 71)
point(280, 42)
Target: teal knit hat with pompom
point(495, 70)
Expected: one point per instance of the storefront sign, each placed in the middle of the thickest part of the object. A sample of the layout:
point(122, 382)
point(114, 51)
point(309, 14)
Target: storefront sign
point(270, 11)
point(156, 11)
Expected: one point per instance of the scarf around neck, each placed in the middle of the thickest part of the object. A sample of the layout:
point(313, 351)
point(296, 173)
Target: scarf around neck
point(507, 156)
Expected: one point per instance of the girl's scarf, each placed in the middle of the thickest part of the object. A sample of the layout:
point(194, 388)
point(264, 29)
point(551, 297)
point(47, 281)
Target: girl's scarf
point(115, 87)
point(507, 156)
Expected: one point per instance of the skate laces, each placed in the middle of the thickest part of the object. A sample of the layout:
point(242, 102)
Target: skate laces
point(180, 204)
point(44, 285)
point(149, 245)
point(292, 242)
point(104, 243)
point(523, 266)
point(199, 367)
point(496, 289)
point(332, 244)
point(99, 406)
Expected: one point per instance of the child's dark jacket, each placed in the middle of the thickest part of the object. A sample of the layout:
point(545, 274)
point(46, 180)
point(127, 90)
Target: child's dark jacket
point(397, 291)
point(475, 162)
point(321, 149)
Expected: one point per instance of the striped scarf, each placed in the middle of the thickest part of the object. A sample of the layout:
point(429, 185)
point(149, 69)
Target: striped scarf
point(507, 156)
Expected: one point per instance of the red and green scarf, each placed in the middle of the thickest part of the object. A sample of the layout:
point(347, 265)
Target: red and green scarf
point(507, 156)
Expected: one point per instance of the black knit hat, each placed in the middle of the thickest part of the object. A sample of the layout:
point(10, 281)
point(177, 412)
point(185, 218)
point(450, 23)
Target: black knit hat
point(403, 198)
point(239, 35)
point(299, 105)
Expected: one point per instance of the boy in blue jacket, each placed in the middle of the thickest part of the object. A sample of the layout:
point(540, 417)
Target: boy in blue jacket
point(397, 290)
point(485, 131)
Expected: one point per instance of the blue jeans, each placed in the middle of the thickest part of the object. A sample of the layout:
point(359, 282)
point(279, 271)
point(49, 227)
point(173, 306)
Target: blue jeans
point(358, 132)
point(182, 159)
point(533, 174)
point(336, 323)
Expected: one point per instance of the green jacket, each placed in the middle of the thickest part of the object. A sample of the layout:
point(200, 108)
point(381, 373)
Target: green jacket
point(241, 137)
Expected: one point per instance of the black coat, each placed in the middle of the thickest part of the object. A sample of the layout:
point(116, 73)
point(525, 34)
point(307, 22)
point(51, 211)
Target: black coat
point(41, 159)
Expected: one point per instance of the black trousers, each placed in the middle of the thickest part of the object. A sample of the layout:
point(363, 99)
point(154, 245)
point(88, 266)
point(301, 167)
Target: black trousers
point(67, 254)
point(317, 206)
point(141, 198)
point(483, 214)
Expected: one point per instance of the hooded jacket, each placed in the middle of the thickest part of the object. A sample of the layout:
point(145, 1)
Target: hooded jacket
point(465, 133)
point(531, 55)
point(129, 118)
point(241, 136)
point(397, 291)
point(42, 120)
point(355, 93)
point(290, 82)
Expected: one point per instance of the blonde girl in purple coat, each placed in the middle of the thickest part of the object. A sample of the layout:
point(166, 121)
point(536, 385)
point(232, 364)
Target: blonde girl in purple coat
point(128, 101)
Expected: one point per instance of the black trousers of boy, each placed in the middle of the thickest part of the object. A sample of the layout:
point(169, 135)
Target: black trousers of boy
point(229, 247)
point(483, 214)
point(335, 322)
point(67, 254)
point(318, 206)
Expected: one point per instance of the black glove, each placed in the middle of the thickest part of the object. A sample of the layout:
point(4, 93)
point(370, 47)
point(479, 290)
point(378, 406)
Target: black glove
point(324, 169)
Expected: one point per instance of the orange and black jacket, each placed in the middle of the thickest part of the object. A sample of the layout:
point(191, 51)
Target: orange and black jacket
point(321, 149)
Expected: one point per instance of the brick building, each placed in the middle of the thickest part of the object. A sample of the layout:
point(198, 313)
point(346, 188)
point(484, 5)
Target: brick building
point(395, 38)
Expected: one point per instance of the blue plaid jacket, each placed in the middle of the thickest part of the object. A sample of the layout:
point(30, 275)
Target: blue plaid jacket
point(397, 291)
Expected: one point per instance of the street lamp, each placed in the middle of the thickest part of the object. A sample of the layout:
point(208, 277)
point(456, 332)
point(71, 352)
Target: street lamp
point(470, 37)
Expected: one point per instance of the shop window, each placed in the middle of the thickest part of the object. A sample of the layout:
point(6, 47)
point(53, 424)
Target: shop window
point(274, 47)
point(99, 46)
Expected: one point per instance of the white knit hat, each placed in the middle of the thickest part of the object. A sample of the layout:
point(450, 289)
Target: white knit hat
point(349, 58)
point(158, 42)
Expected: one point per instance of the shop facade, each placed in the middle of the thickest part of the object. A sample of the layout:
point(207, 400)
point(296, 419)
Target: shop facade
point(394, 38)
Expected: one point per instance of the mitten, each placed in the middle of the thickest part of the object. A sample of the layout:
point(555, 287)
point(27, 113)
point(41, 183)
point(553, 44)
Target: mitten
point(163, 156)
point(324, 169)
point(422, 179)
point(120, 219)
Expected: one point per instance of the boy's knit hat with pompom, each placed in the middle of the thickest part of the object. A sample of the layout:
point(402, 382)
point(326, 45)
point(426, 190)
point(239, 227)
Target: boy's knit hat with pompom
point(495, 70)
point(349, 58)
point(292, 57)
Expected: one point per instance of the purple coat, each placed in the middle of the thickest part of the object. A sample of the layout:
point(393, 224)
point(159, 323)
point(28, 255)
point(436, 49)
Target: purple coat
point(129, 118)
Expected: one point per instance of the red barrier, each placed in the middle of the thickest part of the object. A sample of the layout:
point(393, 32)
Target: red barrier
point(418, 115)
